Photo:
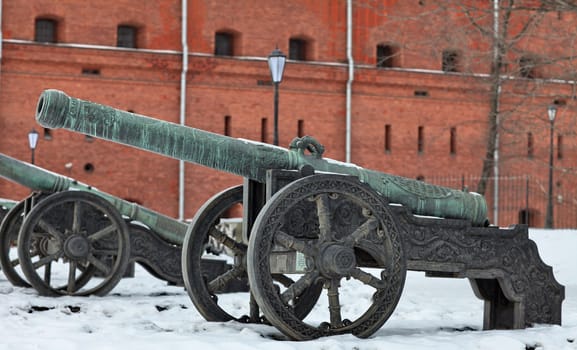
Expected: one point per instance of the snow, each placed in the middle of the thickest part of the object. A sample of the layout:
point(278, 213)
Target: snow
point(145, 313)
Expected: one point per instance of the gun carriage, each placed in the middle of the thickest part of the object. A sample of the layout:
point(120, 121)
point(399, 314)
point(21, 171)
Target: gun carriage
point(332, 227)
point(5, 206)
point(93, 235)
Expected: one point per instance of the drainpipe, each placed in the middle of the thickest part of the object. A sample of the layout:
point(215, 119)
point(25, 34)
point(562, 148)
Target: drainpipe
point(181, 164)
point(1, 37)
point(496, 39)
point(350, 79)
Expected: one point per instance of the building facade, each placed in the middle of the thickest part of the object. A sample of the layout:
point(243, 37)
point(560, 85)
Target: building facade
point(404, 87)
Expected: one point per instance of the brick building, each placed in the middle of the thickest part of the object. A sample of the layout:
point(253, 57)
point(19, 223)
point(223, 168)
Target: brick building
point(398, 86)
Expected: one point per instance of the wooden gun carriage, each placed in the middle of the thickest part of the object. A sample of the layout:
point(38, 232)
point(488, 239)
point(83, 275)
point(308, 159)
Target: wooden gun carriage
point(316, 229)
point(95, 235)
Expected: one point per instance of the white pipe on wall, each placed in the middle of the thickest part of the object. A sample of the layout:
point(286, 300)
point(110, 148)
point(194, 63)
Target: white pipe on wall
point(496, 38)
point(349, 80)
point(1, 37)
point(181, 164)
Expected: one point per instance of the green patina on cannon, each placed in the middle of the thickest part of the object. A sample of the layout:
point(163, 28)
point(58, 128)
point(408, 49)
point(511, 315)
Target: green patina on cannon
point(246, 158)
point(316, 227)
point(86, 228)
point(39, 179)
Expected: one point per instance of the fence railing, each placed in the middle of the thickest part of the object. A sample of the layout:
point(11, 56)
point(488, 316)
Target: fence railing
point(522, 199)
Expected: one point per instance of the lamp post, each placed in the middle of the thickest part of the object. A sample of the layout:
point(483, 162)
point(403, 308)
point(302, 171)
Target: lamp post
point(552, 112)
point(276, 61)
point(32, 142)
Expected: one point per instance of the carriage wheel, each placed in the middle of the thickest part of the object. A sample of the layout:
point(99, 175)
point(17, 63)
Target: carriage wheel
point(334, 230)
point(8, 238)
point(67, 238)
point(199, 249)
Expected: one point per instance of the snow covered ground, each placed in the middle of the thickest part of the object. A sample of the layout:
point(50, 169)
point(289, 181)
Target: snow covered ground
point(144, 313)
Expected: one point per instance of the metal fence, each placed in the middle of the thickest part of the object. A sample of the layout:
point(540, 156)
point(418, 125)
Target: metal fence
point(522, 200)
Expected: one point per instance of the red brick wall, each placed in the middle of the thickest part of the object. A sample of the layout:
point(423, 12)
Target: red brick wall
point(149, 83)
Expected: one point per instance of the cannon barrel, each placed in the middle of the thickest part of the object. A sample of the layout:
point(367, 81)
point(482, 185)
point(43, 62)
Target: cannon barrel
point(39, 179)
point(246, 158)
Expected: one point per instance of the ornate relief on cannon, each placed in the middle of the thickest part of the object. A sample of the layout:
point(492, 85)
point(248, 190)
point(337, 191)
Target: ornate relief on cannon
point(315, 229)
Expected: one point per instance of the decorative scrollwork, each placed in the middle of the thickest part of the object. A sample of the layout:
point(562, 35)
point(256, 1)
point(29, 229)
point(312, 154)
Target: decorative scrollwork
point(482, 252)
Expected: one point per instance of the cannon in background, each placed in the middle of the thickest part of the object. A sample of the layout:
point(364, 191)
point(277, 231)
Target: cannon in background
point(87, 230)
point(5, 206)
point(329, 223)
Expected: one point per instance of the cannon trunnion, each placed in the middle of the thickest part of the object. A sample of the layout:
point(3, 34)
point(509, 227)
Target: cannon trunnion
point(315, 230)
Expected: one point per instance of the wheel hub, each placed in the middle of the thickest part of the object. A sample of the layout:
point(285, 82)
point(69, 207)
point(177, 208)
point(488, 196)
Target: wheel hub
point(76, 247)
point(337, 260)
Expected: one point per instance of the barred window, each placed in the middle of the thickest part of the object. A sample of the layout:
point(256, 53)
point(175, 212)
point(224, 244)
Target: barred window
point(298, 49)
point(45, 30)
point(386, 56)
point(223, 44)
point(450, 61)
point(126, 36)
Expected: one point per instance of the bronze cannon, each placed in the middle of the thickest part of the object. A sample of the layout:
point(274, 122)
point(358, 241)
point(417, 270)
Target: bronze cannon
point(92, 232)
point(333, 228)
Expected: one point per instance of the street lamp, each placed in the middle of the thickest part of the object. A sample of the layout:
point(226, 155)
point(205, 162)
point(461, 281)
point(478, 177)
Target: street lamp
point(32, 141)
point(552, 112)
point(276, 61)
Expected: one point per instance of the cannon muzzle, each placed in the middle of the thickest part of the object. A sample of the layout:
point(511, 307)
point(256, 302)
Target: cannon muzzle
point(246, 158)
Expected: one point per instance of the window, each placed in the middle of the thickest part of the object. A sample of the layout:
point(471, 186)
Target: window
point(421, 139)
point(297, 49)
point(227, 126)
point(530, 145)
point(386, 56)
point(90, 71)
point(300, 128)
point(453, 141)
point(450, 61)
point(126, 36)
point(387, 138)
point(527, 67)
point(559, 146)
point(223, 44)
point(47, 134)
point(264, 130)
point(45, 30)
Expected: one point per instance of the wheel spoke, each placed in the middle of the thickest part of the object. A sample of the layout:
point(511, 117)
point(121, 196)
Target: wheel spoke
point(102, 233)
point(48, 273)
point(334, 303)
point(71, 288)
point(14, 262)
point(291, 242)
point(324, 215)
point(77, 216)
point(361, 232)
point(45, 260)
point(228, 242)
point(299, 287)
point(368, 279)
point(220, 283)
point(99, 264)
point(104, 252)
point(51, 230)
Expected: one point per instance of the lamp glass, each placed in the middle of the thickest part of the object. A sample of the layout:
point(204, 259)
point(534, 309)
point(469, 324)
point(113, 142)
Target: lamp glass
point(552, 112)
point(33, 139)
point(276, 62)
